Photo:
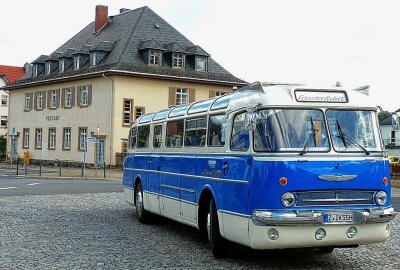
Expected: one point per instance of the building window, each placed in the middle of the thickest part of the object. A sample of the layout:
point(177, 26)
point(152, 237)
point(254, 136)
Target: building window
point(84, 96)
point(3, 122)
point(76, 62)
point(178, 60)
point(139, 111)
point(124, 148)
point(39, 100)
point(93, 59)
point(67, 138)
point(53, 99)
point(181, 96)
point(38, 138)
point(82, 138)
point(35, 71)
point(48, 68)
point(52, 138)
point(201, 64)
point(4, 100)
point(27, 101)
point(154, 58)
point(68, 97)
point(61, 65)
point(127, 111)
point(25, 143)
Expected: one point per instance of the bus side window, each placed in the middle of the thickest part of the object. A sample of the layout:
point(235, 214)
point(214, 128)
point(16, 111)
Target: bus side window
point(217, 130)
point(195, 132)
point(143, 136)
point(240, 136)
point(174, 133)
point(157, 136)
point(132, 138)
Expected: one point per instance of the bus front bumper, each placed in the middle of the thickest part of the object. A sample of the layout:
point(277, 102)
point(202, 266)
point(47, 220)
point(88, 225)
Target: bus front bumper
point(312, 217)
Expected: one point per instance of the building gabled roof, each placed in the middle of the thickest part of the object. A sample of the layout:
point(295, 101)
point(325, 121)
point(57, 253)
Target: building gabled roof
point(124, 38)
point(11, 73)
point(387, 121)
point(41, 59)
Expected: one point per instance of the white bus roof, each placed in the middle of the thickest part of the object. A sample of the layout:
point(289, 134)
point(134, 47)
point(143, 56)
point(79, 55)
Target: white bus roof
point(272, 95)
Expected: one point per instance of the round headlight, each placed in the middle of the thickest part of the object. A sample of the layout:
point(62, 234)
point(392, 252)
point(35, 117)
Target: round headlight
point(381, 198)
point(288, 199)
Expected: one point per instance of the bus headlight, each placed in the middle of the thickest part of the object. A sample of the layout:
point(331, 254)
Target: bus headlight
point(288, 199)
point(381, 198)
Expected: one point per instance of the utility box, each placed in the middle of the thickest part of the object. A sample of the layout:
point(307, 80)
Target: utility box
point(26, 158)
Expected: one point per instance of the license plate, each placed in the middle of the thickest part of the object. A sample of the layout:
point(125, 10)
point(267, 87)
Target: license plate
point(338, 218)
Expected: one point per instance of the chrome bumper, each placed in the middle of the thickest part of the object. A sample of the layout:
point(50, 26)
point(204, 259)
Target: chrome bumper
point(307, 217)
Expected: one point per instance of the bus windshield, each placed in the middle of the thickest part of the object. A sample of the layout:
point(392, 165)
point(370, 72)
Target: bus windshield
point(293, 130)
point(353, 131)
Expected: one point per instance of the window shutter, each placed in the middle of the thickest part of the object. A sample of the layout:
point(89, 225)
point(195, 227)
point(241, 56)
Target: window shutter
point(78, 96)
point(192, 95)
point(172, 96)
point(35, 100)
point(73, 96)
point(213, 93)
point(63, 97)
point(48, 99)
point(89, 94)
point(58, 98)
point(44, 100)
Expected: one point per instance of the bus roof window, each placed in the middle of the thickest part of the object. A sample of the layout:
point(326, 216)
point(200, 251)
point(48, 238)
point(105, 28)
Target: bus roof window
point(201, 106)
point(161, 115)
point(221, 102)
point(146, 118)
point(178, 111)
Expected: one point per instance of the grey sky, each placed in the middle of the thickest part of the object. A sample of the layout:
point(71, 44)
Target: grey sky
point(308, 41)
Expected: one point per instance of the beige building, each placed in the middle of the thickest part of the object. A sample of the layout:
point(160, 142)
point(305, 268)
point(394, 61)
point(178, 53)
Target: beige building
point(114, 70)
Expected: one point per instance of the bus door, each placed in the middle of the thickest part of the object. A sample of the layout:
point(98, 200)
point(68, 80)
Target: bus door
point(153, 179)
point(188, 194)
point(170, 182)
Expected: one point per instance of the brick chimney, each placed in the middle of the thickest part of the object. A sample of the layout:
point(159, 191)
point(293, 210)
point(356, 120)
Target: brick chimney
point(101, 17)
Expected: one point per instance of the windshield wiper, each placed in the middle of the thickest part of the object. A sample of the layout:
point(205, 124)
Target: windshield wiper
point(343, 136)
point(311, 136)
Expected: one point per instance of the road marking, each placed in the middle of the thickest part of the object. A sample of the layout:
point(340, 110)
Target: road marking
point(4, 188)
point(34, 184)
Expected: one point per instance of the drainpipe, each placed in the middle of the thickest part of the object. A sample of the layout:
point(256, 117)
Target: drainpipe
point(111, 116)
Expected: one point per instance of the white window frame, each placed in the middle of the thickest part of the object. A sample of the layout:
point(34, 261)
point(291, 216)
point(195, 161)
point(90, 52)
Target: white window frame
point(138, 112)
point(26, 138)
point(68, 97)
point(53, 99)
point(61, 65)
point(48, 68)
point(35, 70)
point(39, 101)
point(198, 60)
point(67, 138)
point(127, 111)
point(82, 138)
point(52, 138)
point(85, 95)
point(76, 62)
point(154, 58)
point(93, 57)
point(2, 119)
point(27, 101)
point(4, 100)
point(39, 138)
point(178, 60)
point(182, 96)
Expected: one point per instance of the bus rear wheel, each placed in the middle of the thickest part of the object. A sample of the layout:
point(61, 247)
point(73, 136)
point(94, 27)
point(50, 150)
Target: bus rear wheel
point(219, 244)
point(141, 214)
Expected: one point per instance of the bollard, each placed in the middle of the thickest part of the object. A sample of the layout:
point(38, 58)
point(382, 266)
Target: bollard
point(104, 169)
point(40, 168)
point(17, 166)
point(60, 164)
point(81, 169)
point(26, 170)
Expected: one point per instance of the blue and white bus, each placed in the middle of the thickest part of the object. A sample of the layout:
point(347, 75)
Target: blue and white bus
point(271, 166)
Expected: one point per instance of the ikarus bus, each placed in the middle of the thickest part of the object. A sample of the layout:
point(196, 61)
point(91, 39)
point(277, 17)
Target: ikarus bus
point(271, 166)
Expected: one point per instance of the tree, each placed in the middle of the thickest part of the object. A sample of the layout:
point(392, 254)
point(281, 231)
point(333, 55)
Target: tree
point(383, 114)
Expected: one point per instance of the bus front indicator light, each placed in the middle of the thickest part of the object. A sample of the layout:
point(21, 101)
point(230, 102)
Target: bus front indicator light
point(283, 181)
point(288, 199)
point(385, 181)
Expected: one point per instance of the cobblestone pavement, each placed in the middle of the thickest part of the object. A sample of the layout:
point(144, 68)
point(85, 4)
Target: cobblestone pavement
point(100, 231)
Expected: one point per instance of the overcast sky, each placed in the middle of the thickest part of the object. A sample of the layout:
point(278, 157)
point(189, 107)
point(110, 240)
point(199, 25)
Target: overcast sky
point(308, 41)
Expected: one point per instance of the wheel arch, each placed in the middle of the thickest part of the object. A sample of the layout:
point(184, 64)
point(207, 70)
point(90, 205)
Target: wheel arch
point(206, 195)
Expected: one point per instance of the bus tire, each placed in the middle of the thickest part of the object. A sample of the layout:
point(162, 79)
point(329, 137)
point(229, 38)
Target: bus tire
point(141, 214)
point(219, 244)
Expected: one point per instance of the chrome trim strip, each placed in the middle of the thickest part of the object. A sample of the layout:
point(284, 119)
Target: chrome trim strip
point(337, 178)
point(192, 176)
point(175, 199)
point(234, 213)
point(334, 200)
point(178, 188)
point(309, 217)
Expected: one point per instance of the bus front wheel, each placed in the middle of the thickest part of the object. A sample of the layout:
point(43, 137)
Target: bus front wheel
point(141, 214)
point(219, 244)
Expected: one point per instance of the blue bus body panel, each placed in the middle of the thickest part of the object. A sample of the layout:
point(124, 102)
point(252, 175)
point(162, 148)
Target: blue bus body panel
point(188, 170)
point(266, 192)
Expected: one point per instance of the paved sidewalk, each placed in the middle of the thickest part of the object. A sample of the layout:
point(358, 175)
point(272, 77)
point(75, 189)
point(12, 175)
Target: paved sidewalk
point(54, 172)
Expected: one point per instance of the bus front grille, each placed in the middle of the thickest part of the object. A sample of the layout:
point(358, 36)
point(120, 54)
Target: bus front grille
point(335, 197)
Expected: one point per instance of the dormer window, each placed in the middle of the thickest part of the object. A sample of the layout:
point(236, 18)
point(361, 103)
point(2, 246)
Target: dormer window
point(155, 58)
point(178, 60)
point(201, 63)
point(48, 68)
point(35, 71)
point(61, 65)
point(93, 59)
point(76, 62)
